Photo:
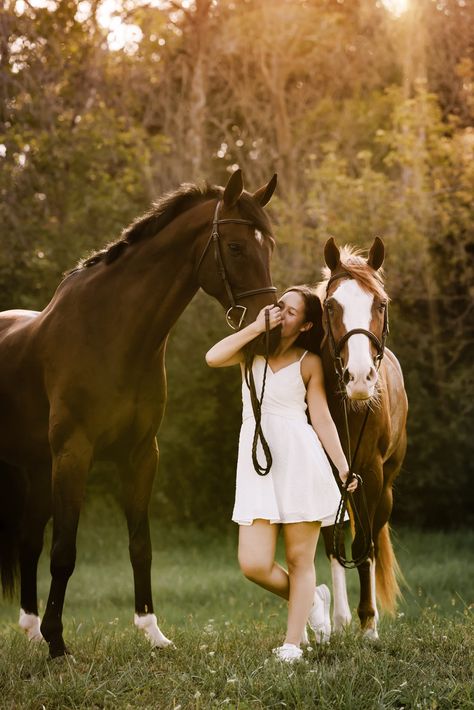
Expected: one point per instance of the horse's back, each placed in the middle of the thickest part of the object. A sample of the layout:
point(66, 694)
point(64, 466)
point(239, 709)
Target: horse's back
point(15, 320)
point(23, 405)
point(16, 335)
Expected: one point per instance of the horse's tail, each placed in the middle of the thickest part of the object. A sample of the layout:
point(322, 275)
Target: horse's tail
point(387, 571)
point(12, 501)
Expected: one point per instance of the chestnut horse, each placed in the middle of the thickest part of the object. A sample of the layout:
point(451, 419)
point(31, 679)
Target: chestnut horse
point(359, 369)
point(84, 380)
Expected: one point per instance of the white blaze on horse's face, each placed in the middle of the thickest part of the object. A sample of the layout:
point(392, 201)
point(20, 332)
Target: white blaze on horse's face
point(357, 313)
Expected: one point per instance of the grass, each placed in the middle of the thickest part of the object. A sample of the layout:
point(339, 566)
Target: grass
point(224, 629)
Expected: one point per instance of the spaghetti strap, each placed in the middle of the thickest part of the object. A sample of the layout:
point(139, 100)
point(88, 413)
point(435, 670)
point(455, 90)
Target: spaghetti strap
point(305, 352)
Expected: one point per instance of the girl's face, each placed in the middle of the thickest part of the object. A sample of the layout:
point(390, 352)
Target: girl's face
point(293, 315)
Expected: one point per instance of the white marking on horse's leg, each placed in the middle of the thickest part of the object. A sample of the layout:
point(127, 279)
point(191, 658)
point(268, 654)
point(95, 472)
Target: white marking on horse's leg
point(373, 589)
point(370, 631)
point(304, 637)
point(30, 623)
point(341, 615)
point(148, 624)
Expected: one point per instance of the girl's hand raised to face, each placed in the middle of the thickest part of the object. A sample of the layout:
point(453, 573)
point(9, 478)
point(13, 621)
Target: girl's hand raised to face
point(275, 318)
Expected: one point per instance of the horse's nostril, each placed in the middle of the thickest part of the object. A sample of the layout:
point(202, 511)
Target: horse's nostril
point(371, 374)
point(347, 377)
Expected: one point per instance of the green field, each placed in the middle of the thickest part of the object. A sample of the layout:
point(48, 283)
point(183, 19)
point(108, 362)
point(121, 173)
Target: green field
point(224, 629)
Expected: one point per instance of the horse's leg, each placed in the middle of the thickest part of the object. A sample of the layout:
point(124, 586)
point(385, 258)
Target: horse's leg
point(37, 514)
point(387, 567)
point(341, 615)
point(71, 463)
point(367, 609)
point(137, 479)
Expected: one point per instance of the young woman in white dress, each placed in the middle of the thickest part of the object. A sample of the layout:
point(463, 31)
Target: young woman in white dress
point(299, 494)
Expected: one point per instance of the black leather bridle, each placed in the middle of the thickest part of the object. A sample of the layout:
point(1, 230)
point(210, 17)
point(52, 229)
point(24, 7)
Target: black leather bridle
point(214, 238)
point(336, 346)
point(339, 524)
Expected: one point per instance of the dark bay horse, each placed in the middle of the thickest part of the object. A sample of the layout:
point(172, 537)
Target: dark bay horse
point(84, 379)
point(358, 368)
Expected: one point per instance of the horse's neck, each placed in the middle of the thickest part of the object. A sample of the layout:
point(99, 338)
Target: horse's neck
point(135, 300)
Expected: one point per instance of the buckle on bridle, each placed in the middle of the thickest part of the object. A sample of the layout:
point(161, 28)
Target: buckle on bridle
point(228, 317)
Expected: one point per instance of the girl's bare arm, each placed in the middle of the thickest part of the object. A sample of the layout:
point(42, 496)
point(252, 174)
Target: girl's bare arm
point(321, 419)
point(229, 350)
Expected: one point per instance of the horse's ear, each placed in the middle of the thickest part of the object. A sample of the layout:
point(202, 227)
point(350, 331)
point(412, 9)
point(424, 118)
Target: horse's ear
point(376, 254)
point(234, 188)
point(332, 256)
point(263, 194)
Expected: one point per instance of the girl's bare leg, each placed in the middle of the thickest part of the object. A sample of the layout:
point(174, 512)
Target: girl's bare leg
point(300, 545)
point(257, 545)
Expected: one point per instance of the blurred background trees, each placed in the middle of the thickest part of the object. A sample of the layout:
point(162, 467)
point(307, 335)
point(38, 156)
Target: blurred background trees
point(367, 116)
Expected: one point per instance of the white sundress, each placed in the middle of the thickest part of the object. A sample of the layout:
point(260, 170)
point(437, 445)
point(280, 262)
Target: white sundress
point(300, 486)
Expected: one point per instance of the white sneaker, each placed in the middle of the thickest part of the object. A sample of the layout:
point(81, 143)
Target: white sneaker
point(289, 653)
point(319, 618)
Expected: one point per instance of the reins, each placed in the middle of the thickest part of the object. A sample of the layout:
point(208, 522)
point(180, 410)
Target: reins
point(256, 402)
point(347, 497)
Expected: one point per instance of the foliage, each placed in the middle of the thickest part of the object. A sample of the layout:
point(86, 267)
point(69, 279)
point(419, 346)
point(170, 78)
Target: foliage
point(368, 120)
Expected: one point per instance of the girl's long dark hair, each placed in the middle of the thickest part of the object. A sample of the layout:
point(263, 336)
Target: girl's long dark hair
point(310, 339)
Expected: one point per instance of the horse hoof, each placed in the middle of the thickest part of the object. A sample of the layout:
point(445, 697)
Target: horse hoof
point(164, 643)
point(370, 635)
point(148, 624)
point(30, 624)
point(340, 623)
point(59, 651)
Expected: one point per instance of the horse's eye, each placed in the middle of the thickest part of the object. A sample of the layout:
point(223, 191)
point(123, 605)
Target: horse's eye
point(382, 307)
point(235, 248)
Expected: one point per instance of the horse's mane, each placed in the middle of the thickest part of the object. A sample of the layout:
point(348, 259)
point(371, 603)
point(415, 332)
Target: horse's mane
point(164, 211)
point(356, 265)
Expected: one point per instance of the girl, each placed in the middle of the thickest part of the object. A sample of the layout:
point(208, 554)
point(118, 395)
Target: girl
point(299, 494)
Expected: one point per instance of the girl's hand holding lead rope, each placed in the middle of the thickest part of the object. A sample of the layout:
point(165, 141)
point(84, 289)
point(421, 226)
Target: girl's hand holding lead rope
point(352, 485)
point(274, 314)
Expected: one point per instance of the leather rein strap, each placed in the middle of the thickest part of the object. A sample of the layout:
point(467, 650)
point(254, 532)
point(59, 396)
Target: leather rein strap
point(346, 497)
point(215, 240)
point(257, 405)
point(249, 378)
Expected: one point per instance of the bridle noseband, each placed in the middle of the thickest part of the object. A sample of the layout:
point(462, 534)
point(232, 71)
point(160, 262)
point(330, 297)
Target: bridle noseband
point(336, 346)
point(214, 238)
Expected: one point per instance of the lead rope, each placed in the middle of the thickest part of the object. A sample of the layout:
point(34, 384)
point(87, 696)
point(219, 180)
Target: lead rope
point(257, 405)
point(347, 497)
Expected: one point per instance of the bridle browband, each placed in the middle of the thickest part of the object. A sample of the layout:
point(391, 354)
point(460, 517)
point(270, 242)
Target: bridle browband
point(214, 238)
point(336, 346)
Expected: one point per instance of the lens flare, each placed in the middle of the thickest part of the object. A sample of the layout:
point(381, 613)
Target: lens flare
point(396, 7)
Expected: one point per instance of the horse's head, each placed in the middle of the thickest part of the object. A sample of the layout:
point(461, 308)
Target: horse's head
point(234, 260)
point(355, 316)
